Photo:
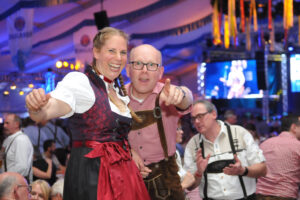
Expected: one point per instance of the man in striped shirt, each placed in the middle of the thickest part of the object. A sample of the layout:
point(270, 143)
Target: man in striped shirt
point(282, 155)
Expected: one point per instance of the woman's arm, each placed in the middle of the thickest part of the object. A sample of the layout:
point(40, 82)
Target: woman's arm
point(42, 107)
point(41, 174)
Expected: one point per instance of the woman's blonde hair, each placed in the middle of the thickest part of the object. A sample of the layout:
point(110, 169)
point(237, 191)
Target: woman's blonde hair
point(45, 187)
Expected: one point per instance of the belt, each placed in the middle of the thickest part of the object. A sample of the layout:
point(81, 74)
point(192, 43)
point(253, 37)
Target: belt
point(93, 143)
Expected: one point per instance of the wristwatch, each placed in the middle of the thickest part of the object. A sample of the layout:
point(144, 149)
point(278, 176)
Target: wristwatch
point(245, 172)
point(182, 90)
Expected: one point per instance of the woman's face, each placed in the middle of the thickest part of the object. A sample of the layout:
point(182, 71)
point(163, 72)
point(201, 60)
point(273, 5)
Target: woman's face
point(37, 193)
point(112, 57)
point(179, 133)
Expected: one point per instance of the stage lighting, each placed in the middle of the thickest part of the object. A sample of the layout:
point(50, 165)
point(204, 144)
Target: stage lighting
point(66, 64)
point(59, 64)
point(13, 86)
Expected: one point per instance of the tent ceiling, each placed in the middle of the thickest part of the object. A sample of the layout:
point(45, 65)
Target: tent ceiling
point(150, 21)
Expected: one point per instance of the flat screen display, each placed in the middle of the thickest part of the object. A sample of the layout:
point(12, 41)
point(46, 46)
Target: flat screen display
point(231, 79)
point(295, 72)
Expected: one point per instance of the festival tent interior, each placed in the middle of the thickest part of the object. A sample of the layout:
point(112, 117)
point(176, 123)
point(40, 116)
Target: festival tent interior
point(199, 40)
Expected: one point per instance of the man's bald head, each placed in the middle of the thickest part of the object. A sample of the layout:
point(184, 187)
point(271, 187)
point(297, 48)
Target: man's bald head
point(146, 48)
point(9, 181)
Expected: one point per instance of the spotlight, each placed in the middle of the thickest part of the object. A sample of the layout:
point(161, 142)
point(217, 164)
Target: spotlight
point(66, 64)
point(21, 93)
point(30, 85)
point(77, 66)
point(6, 92)
point(13, 86)
point(59, 64)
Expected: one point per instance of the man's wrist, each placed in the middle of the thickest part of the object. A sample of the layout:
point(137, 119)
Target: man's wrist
point(246, 171)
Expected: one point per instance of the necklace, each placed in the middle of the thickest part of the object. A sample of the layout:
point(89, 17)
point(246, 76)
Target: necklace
point(112, 93)
point(104, 77)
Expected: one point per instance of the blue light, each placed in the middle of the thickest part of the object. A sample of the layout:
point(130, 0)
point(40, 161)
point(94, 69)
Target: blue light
point(49, 81)
point(291, 48)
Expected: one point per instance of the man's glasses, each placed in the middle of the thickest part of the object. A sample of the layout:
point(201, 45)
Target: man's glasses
point(29, 188)
point(140, 65)
point(199, 116)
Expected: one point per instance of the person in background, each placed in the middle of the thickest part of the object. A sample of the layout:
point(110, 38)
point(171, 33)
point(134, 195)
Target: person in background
point(17, 147)
point(225, 159)
point(44, 167)
point(14, 186)
point(282, 154)
point(187, 179)
point(236, 79)
point(230, 117)
point(154, 140)
point(100, 166)
point(46, 130)
point(40, 190)
point(252, 129)
point(57, 190)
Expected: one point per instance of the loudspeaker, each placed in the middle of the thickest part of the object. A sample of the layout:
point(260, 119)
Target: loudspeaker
point(101, 19)
point(260, 70)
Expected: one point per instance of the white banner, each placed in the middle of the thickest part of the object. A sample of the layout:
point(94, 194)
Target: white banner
point(83, 43)
point(20, 27)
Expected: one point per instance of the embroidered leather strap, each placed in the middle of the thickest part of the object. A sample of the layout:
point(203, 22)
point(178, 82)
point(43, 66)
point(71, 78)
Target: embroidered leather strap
point(153, 116)
point(160, 127)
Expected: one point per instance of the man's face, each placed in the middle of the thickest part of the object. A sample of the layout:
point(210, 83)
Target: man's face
point(22, 191)
point(144, 81)
point(232, 119)
point(52, 148)
point(297, 130)
point(10, 125)
point(202, 119)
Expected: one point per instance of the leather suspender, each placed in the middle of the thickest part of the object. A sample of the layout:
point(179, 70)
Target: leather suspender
point(205, 172)
point(6, 151)
point(234, 152)
point(160, 127)
point(150, 117)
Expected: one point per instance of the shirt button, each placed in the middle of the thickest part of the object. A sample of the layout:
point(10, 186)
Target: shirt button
point(144, 160)
point(141, 147)
point(139, 133)
point(224, 189)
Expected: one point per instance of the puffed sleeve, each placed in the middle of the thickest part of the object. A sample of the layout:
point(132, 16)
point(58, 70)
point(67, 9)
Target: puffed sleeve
point(76, 91)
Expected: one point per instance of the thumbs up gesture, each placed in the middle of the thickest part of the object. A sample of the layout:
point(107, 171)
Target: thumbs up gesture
point(171, 94)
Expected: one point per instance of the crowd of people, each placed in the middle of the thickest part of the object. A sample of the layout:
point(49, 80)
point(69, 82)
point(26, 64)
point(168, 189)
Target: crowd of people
point(125, 139)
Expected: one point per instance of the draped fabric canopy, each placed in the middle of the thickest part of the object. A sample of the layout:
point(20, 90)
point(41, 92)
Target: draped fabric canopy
point(161, 23)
